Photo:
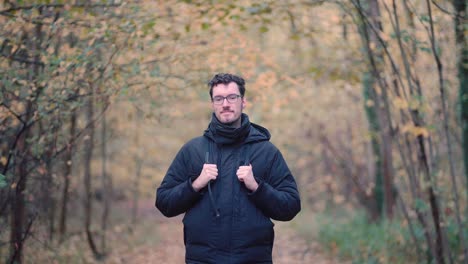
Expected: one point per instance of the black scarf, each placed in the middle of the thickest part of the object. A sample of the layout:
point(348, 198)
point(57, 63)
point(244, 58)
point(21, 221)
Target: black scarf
point(225, 134)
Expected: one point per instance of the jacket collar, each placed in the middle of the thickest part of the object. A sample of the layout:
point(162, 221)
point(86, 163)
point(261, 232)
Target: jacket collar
point(247, 132)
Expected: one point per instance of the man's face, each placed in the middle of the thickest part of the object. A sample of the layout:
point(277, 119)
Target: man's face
point(228, 113)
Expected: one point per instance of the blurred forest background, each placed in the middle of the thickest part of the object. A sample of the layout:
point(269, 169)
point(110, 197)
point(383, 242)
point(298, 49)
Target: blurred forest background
point(367, 100)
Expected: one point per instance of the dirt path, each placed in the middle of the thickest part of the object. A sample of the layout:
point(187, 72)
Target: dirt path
point(164, 244)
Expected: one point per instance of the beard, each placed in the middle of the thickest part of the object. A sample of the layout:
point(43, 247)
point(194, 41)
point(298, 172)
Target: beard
point(231, 123)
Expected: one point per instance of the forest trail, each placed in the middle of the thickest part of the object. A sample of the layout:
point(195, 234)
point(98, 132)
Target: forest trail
point(165, 243)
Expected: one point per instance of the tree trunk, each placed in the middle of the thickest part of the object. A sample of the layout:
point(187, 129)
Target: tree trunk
point(138, 165)
point(460, 22)
point(18, 201)
point(433, 203)
point(374, 130)
point(88, 154)
point(329, 171)
point(136, 190)
point(460, 7)
point(377, 108)
point(47, 190)
point(52, 205)
point(344, 26)
point(436, 248)
point(440, 73)
point(106, 183)
point(18, 204)
point(66, 176)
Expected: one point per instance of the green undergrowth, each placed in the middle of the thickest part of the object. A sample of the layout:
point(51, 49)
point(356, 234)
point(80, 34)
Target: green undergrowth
point(349, 236)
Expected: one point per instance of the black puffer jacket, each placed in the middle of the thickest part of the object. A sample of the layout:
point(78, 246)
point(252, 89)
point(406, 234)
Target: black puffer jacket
point(224, 222)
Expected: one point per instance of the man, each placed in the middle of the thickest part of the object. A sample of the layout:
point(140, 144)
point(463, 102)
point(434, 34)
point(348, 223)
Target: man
point(230, 183)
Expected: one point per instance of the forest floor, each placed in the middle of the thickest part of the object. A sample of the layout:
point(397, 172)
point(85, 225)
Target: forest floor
point(160, 240)
point(157, 239)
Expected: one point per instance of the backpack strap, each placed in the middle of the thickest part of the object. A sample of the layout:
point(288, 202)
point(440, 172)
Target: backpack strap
point(209, 149)
point(245, 154)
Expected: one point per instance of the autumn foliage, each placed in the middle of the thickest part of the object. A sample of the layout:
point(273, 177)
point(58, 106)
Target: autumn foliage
point(363, 97)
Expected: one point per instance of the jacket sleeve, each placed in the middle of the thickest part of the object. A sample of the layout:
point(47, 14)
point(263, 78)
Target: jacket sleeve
point(277, 195)
point(176, 194)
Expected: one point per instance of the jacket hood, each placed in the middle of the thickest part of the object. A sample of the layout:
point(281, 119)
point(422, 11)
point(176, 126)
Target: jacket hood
point(258, 133)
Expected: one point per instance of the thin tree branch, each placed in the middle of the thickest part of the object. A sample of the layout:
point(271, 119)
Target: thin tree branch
point(29, 7)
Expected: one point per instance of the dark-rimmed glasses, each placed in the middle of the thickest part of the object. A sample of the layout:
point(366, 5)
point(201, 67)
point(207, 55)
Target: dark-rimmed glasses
point(231, 98)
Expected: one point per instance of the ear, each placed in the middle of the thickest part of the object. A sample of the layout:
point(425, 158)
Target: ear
point(244, 103)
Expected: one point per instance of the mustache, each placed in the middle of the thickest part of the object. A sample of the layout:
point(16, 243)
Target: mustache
point(227, 109)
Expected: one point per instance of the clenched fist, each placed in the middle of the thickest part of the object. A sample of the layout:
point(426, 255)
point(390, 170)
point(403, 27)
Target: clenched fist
point(245, 175)
point(208, 173)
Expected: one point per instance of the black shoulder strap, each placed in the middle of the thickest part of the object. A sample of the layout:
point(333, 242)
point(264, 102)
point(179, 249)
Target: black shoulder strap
point(245, 154)
point(209, 153)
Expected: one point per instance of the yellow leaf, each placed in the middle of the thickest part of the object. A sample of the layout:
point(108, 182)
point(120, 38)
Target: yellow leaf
point(3, 160)
point(400, 103)
point(415, 130)
point(421, 131)
point(42, 170)
point(338, 199)
point(50, 50)
point(369, 103)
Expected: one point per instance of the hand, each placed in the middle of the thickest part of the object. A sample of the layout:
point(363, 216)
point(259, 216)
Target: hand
point(245, 175)
point(208, 173)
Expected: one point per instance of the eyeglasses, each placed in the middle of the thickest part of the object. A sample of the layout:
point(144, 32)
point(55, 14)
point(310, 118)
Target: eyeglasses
point(232, 98)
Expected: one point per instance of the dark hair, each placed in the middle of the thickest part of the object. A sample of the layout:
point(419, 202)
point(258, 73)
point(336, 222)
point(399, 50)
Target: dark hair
point(226, 78)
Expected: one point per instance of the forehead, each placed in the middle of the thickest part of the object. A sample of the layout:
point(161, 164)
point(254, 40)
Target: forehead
point(225, 89)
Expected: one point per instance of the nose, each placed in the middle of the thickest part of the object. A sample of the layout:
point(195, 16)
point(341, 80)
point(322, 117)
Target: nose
point(225, 102)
